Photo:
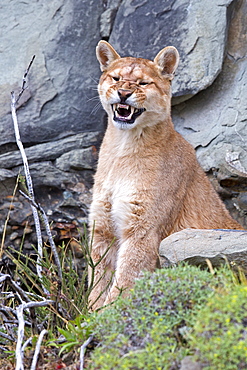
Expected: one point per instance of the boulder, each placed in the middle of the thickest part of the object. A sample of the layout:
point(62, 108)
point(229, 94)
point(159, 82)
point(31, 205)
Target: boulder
point(60, 100)
point(196, 246)
point(142, 28)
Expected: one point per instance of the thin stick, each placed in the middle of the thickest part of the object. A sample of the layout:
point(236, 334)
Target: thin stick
point(6, 336)
point(83, 350)
point(14, 285)
point(37, 349)
point(27, 173)
point(24, 80)
point(28, 341)
point(48, 232)
point(18, 350)
point(21, 325)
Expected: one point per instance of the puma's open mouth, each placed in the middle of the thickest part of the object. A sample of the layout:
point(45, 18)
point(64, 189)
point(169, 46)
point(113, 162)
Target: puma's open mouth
point(126, 113)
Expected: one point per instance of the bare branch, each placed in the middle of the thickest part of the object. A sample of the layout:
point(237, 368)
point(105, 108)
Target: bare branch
point(37, 349)
point(14, 286)
point(45, 302)
point(24, 81)
point(27, 172)
point(21, 325)
point(6, 336)
point(28, 341)
point(18, 350)
point(82, 351)
point(48, 232)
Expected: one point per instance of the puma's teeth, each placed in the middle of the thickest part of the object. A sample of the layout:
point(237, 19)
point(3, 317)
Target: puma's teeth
point(132, 109)
point(124, 110)
point(126, 113)
point(124, 106)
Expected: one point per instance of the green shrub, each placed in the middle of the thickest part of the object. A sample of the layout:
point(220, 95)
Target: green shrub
point(220, 333)
point(149, 329)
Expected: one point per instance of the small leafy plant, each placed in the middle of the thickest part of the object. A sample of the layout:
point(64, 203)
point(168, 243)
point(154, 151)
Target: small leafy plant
point(76, 333)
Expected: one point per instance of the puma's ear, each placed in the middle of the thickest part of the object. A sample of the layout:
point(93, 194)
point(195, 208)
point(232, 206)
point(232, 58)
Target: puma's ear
point(167, 60)
point(105, 54)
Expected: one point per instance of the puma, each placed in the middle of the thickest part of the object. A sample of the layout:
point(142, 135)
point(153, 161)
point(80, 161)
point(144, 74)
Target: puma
point(148, 183)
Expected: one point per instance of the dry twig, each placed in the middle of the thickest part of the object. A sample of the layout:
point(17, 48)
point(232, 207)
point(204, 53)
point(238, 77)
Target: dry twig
point(24, 80)
point(26, 169)
point(48, 232)
point(37, 349)
point(83, 350)
point(18, 313)
point(21, 326)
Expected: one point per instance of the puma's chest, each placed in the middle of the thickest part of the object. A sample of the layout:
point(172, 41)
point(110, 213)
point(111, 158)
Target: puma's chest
point(119, 190)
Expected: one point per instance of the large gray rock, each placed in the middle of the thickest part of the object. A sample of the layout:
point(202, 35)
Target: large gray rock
point(198, 29)
point(214, 121)
point(60, 118)
point(195, 246)
point(63, 35)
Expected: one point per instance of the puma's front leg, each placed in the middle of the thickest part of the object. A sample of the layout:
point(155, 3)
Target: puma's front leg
point(136, 254)
point(103, 253)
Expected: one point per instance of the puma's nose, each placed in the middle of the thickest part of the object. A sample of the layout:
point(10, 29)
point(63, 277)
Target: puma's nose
point(124, 94)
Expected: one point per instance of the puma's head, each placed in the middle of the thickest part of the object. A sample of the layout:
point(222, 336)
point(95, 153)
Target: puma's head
point(136, 91)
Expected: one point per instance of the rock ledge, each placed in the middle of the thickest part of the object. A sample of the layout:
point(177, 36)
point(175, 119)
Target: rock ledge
point(195, 246)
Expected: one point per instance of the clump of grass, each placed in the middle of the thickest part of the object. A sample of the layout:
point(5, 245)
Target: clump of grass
point(70, 291)
point(69, 296)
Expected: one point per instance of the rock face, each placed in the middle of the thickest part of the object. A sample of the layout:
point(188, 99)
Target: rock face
point(60, 118)
point(166, 23)
point(63, 35)
point(195, 246)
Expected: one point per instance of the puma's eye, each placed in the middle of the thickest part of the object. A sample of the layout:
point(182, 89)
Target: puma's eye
point(116, 79)
point(143, 83)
